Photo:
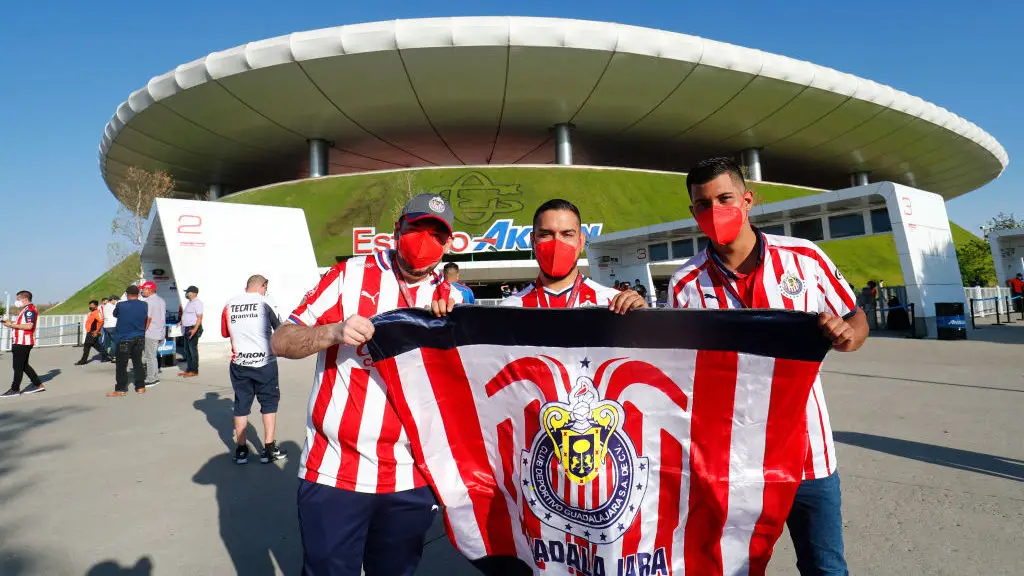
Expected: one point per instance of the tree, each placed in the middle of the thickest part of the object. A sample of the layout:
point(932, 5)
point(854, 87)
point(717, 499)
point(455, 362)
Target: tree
point(136, 192)
point(1004, 222)
point(975, 260)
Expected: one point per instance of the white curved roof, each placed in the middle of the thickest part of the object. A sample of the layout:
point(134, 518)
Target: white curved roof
point(451, 91)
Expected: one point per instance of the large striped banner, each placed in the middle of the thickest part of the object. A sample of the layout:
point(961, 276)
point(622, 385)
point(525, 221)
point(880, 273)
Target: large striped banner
point(587, 443)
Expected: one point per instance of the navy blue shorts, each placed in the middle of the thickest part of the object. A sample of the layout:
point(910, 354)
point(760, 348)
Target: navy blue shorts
point(346, 532)
point(259, 383)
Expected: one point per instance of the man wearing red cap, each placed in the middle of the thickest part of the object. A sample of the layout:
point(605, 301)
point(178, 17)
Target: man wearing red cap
point(156, 331)
point(363, 505)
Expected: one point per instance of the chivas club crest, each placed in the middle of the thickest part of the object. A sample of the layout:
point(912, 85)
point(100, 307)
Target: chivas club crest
point(582, 474)
point(791, 286)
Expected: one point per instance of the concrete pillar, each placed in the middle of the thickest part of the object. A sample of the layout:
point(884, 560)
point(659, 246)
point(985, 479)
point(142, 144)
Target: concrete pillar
point(214, 191)
point(859, 179)
point(751, 159)
point(318, 158)
point(563, 144)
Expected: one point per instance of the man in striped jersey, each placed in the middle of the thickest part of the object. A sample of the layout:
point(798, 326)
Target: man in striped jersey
point(362, 502)
point(558, 241)
point(744, 268)
point(24, 328)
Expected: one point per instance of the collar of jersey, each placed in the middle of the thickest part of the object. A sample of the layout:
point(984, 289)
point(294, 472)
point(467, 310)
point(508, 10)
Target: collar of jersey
point(760, 247)
point(559, 294)
point(384, 261)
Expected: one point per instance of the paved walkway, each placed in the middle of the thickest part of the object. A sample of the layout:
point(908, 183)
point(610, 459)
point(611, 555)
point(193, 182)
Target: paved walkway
point(929, 436)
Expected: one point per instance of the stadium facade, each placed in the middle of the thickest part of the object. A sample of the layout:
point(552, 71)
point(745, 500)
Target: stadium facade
point(482, 93)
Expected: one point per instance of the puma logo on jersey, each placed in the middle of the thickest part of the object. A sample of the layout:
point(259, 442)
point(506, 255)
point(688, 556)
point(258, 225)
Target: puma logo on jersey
point(372, 297)
point(710, 296)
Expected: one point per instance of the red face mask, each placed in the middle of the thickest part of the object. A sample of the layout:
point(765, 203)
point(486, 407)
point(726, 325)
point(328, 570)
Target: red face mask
point(555, 258)
point(420, 248)
point(722, 224)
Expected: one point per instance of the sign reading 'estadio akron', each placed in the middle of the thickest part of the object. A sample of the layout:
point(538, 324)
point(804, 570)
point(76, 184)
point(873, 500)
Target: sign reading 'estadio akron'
point(502, 236)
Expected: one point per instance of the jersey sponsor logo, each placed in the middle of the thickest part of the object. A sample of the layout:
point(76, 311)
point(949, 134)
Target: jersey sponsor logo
point(792, 286)
point(579, 437)
point(371, 297)
point(710, 296)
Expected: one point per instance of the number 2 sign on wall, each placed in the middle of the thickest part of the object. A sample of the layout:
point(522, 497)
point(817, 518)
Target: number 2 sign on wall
point(193, 225)
point(908, 208)
point(189, 224)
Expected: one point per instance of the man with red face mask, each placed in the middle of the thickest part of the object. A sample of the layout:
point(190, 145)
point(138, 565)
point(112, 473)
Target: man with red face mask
point(744, 268)
point(363, 505)
point(558, 241)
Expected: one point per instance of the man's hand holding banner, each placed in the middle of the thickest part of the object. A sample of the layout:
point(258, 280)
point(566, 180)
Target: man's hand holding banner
point(581, 440)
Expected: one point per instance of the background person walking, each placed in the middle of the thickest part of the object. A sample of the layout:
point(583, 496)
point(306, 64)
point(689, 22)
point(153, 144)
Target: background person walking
point(24, 328)
point(249, 320)
point(132, 321)
point(110, 327)
point(93, 332)
point(156, 331)
point(191, 331)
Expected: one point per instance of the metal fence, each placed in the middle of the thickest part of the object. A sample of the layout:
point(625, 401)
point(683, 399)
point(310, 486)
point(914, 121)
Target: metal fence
point(59, 330)
point(988, 301)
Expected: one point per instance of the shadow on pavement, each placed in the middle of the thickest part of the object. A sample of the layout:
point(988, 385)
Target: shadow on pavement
point(258, 518)
point(142, 567)
point(219, 416)
point(987, 464)
point(53, 373)
point(14, 427)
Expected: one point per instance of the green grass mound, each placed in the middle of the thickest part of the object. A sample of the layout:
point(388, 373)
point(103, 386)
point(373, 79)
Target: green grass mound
point(110, 282)
point(620, 199)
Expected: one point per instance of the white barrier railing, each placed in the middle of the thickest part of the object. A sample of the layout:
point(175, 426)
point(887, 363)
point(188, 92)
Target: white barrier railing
point(58, 330)
point(987, 301)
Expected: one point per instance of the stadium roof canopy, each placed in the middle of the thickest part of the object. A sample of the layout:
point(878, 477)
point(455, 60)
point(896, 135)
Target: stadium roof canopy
point(452, 91)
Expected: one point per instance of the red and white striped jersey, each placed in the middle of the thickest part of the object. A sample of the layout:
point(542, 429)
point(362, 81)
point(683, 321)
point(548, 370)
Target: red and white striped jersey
point(354, 440)
point(793, 274)
point(590, 294)
point(28, 315)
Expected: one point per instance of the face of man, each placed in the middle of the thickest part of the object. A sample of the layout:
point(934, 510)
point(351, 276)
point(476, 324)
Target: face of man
point(190, 295)
point(725, 190)
point(92, 307)
point(561, 225)
point(430, 226)
point(146, 292)
point(452, 275)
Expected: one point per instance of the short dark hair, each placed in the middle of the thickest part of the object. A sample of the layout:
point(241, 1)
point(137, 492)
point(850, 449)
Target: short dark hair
point(557, 204)
point(94, 302)
point(450, 266)
point(132, 290)
point(707, 170)
point(24, 293)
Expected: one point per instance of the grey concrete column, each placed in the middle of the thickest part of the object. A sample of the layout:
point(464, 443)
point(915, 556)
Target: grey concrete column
point(563, 144)
point(214, 191)
point(318, 158)
point(859, 179)
point(751, 159)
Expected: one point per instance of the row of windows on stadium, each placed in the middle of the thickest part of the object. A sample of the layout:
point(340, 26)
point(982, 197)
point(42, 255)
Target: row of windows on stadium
point(813, 229)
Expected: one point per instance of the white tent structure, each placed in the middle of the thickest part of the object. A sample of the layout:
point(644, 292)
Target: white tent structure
point(1007, 253)
point(217, 246)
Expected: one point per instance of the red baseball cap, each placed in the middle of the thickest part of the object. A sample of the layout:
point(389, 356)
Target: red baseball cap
point(148, 286)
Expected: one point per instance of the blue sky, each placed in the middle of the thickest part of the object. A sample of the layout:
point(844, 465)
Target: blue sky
point(65, 66)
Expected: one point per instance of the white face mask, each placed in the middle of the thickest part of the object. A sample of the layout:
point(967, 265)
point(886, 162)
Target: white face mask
point(22, 303)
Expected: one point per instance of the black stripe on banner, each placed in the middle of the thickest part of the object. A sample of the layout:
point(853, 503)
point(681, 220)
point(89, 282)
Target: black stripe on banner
point(774, 333)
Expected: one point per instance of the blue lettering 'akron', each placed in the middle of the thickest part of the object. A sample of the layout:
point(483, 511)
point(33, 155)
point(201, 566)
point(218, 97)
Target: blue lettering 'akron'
point(503, 235)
